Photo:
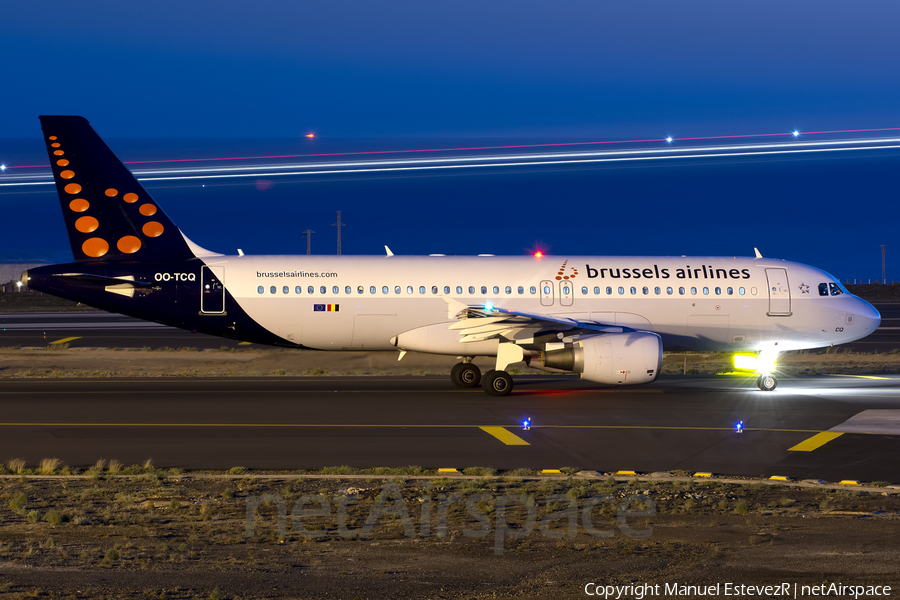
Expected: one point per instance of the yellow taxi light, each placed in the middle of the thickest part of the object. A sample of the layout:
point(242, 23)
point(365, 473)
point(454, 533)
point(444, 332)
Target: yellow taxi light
point(745, 362)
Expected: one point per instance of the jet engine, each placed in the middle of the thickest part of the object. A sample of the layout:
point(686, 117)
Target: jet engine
point(627, 358)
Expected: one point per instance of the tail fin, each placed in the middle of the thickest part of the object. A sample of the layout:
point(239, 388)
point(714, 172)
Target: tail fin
point(108, 214)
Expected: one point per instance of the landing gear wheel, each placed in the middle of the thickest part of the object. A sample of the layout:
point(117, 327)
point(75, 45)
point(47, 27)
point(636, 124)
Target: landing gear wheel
point(497, 383)
point(465, 375)
point(766, 382)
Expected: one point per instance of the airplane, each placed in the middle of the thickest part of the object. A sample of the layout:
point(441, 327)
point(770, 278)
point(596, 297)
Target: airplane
point(607, 318)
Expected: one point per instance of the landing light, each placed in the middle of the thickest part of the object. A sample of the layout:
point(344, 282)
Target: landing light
point(669, 139)
point(2, 167)
point(796, 133)
point(745, 362)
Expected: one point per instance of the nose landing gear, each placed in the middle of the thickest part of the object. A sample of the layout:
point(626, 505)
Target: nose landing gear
point(766, 382)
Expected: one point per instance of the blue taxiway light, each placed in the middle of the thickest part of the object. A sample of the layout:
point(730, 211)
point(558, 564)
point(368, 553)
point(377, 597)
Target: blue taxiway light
point(526, 424)
point(739, 427)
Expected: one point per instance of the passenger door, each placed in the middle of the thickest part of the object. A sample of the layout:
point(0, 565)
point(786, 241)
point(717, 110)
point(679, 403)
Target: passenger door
point(212, 290)
point(779, 293)
point(566, 293)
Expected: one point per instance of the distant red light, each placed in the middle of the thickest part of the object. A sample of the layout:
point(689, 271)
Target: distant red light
point(310, 135)
point(538, 254)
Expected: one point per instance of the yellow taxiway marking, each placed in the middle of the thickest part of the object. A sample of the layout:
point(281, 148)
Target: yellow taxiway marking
point(505, 436)
point(244, 343)
point(859, 376)
point(66, 340)
point(816, 441)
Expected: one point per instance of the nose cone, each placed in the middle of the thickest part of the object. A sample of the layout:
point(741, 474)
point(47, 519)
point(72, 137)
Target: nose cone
point(868, 317)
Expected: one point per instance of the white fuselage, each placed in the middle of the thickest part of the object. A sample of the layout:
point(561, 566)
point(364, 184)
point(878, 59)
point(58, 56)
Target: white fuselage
point(695, 303)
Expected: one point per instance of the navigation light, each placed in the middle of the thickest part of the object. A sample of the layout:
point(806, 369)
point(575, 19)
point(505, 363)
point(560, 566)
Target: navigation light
point(669, 139)
point(2, 167)
point(796, 133)
point(538, 254)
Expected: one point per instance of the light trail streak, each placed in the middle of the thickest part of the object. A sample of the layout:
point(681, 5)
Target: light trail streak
point(557, 144)
point(381, 167)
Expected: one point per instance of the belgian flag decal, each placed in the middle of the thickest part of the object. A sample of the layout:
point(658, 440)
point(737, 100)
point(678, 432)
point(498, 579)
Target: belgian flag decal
point(326, 307)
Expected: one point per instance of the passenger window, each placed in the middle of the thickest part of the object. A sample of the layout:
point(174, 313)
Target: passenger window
point(718, 291)
point(335, 290)
point(272, 290)
point(508, 290)
point(384, 289)
point(409, 289)
point(260, 289)
point(633, 291)
point(496, 289)
point(372, 289)
point(609, 291)
point(447, 289)
point(566, 290)
point(584, 290)
point(322, 289)
point(396, 289)
point(835, 289)
point(681, 291)
point(741, 291)
point(646, 290)
point(546, 290)
point(348, 289)
point(484, 290)
point(596, 291)
point(533, 290)
point(706, 291)
point(434, 289)
point(669, 291)
point(298, 290)
point(311, 290)
point(729, 291)
point(285, 290)
point(693, 291)
point(360, 289)
point(521, 290)
point(471, 289)
point(657, 291)
point(421, 289)
point(459, 289)
point(823, 289)
point(621, 290)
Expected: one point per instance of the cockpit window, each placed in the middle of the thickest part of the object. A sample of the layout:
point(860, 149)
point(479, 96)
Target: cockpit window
point(823, 289)
point(835, 289)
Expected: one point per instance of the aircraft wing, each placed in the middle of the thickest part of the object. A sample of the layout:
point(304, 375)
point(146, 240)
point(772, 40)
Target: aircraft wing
point(479, 323)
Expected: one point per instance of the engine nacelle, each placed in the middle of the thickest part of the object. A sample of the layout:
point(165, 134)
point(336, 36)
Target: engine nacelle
point(616, 358)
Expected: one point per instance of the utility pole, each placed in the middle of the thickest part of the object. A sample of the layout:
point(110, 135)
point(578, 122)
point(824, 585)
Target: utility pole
point(883, 280)
point(308, 233)
point(338, 225)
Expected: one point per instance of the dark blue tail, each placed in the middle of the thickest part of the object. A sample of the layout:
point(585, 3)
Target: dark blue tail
point(108, 214)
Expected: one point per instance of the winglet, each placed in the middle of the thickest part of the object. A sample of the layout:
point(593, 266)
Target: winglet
point(388, 250)
point(758, 255)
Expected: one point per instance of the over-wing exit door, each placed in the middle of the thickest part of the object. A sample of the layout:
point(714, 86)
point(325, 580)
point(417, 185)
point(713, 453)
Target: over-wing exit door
point(547, 293)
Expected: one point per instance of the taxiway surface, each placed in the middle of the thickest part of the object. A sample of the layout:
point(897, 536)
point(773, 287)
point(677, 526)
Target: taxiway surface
point(827, 427)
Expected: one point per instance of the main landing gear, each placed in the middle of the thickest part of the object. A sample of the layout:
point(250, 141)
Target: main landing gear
point(465, 375)
point(496, 382)
point(766, 382)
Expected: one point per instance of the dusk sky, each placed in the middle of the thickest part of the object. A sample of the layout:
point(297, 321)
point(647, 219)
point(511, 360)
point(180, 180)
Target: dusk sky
point(413, 74)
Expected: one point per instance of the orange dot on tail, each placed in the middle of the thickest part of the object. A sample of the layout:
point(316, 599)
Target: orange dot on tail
point(55, 145)
point(129, 197)
point(67, 174)
point(58, 152)
point(52, 137)
point(62, 162)
point(73, 188)
point(87, 224)
point(152, 229)
point(148, 210)
point(111, 192)
point(558, 277)
point(95, 247)
point(129, 244)
point(79, 205)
